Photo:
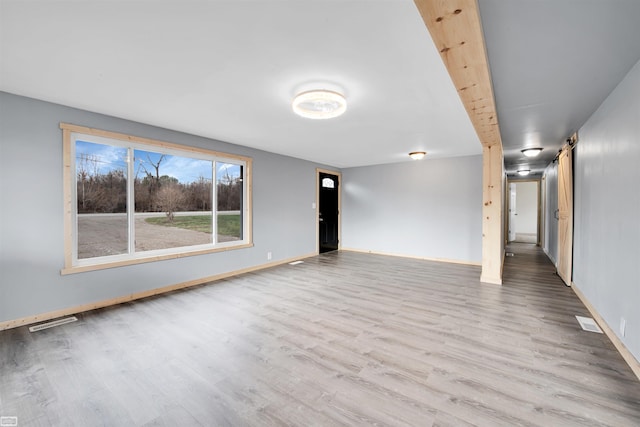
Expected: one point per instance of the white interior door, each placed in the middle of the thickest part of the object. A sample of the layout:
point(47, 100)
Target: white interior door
point(565, 215)
point(543, 208)
point(512, 212)
point(526, 226)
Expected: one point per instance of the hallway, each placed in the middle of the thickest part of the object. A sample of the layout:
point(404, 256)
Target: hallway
point(589, 359)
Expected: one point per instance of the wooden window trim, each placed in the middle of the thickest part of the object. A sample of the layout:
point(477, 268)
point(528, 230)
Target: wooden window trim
point(68, 229)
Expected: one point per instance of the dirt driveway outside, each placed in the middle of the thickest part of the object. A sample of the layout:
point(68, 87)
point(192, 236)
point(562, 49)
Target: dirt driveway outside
point(106, 234)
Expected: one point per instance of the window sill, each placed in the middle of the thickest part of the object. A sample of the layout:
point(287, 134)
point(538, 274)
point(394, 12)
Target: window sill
point(152, 258)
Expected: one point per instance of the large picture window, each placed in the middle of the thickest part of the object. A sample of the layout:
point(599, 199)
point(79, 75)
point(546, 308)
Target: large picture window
point(133, 200)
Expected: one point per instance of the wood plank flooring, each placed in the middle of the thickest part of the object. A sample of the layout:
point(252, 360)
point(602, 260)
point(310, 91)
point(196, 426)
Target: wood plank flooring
point(341, 339)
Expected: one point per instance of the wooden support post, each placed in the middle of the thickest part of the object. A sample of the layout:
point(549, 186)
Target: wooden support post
point(456, 30)
point(493, 182)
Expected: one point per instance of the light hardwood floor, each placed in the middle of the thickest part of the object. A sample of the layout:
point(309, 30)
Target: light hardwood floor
point(341, 339)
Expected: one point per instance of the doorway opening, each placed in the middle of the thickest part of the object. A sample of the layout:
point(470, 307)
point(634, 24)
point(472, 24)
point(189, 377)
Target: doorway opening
point(523, 220)
point(328, 197)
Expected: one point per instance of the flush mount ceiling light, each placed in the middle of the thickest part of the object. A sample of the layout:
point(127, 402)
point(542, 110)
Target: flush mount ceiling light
point(319, 104)
point(417, 155)
point(531, 152)
point(523, 172)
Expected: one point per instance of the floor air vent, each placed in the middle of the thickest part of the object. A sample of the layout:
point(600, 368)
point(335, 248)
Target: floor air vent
point(510, 254)
point(48, 325)
point(296, 262)
point(588, 324)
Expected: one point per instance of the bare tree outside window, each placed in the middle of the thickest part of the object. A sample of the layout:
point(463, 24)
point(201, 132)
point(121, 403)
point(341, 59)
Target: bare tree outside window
point(170, 198)
point(172, 195)
point(229, 189)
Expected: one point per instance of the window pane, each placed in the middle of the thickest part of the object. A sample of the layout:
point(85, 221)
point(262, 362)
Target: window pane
point(172, 201)
point(328, 183)
point(229, 178)
point(101, 187)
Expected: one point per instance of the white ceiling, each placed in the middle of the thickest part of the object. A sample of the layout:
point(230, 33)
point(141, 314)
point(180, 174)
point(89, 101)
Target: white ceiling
point(228, 70)
point(553, 62)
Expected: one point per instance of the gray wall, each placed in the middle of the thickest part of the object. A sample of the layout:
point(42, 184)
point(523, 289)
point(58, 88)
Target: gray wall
point(430, 208)
point(607, 210)
point(31, 215)
point(550, 181)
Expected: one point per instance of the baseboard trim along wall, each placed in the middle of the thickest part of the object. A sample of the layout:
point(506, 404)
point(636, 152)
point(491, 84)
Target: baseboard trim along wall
point(451, 261)
point(619, 345)
point(119, 300)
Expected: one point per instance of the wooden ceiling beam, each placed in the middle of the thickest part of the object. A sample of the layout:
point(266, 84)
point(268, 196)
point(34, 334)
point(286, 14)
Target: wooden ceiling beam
point(456, 30)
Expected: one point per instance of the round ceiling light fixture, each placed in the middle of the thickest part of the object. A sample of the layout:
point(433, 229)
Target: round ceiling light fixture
point(531, 152)
point(417, 155)
point(523, 172)
point(319, 104)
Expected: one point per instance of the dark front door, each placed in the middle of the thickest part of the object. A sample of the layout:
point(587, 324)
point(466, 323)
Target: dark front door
point(328, 212)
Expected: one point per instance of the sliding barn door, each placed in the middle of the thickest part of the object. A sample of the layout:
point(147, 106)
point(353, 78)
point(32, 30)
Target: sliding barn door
point(565, 215)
